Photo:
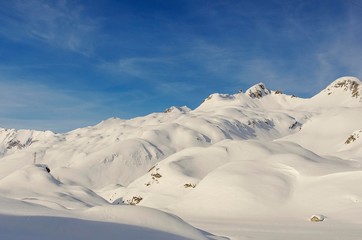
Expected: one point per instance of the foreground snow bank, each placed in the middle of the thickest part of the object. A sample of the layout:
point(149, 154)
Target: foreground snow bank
point(24, 220)
point(147, 218)
point(60, 228)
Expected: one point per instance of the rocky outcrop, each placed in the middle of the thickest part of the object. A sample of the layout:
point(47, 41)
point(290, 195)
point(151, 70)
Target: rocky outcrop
point(258, 91)
point(317, 218)
point(347, 84)
point(353, 137)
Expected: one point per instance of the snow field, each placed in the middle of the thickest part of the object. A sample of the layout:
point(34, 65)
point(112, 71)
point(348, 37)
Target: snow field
point(245, 166)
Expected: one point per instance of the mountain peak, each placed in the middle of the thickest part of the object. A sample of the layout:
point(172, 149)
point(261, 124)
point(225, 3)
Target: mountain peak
point(258, 91)
point(183, 109)
point(345, 84)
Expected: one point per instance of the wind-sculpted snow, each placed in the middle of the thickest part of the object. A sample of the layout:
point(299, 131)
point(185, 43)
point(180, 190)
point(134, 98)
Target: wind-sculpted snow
point(257, 160)
point(33, 184)
point(233, 173)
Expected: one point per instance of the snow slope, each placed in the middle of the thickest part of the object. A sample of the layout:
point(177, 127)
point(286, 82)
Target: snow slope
point(253, 165)
point(118, 151)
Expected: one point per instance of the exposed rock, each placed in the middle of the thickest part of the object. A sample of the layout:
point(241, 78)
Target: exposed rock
point(156, 175)
point(183, 109)
point(134, 201)
point(16, 143)
point(351, 84)
point(258, 91)
point(317, 218)
point(353, 137)
point(44, 166)
point(189, 185)
point(153, 167)
point(295, 125)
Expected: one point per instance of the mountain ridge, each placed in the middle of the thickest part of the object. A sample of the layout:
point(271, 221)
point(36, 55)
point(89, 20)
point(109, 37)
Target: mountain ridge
point(143, 141)
point(245, 157)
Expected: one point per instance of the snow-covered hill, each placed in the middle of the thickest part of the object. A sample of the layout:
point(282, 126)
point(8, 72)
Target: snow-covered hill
point(259, 156)
point(119, 151)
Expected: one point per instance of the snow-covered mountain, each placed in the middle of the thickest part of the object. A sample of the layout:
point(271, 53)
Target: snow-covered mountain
point(259, 156)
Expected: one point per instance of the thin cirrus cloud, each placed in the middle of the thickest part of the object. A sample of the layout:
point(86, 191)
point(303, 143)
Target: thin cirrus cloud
point(122, 58)
point(345, 49)
point(332, 46)
point(60, 24)
point(140, 67)
point(41, 107)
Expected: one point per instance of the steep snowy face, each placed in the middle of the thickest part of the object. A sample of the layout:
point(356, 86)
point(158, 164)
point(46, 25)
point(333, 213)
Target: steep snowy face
point(258, 91)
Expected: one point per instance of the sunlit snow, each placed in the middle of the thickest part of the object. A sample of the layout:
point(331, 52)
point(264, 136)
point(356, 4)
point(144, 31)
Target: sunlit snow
point(253, 165)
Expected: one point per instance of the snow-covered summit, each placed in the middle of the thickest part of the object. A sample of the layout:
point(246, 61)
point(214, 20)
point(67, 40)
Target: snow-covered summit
point(343, 92)
point(242, 99)
point(258, 91)
point(352, 85)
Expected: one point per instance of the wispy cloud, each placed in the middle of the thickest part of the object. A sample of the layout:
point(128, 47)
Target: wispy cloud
point(343, 51)
point(60, 24)
point(37, 106)
point(152, 59)
point(296, 52)
point(329, 42)
point(140, 67)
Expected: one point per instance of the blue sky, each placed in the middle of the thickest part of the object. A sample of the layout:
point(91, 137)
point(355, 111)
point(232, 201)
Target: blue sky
point(67, 64)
